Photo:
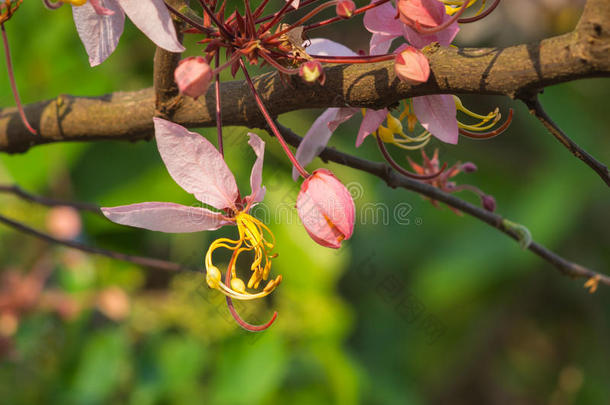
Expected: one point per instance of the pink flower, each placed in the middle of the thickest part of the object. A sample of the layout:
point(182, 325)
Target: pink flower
point(193, 76)
point(326, 209)
point(412, 66)
point(99, 24)
point(195, 164)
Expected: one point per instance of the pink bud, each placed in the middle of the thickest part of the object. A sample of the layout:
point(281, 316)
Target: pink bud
point(193, 76)
point(312, 71)
point(488, 202)
point(326, 209)
point(412, 66)
point(469, 167)
point(345, 8)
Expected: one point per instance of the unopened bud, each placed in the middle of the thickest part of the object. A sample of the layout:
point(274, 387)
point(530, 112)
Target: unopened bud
point(193, 76)
point(412, 66)
point(488, 202)
point(326, 209)
point(312, 71)
point(469, 167)
point(345, 8)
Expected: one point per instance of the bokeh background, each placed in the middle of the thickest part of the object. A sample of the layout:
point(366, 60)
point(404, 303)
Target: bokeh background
point(421, 306)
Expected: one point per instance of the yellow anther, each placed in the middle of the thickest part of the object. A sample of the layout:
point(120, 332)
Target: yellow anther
point(238, 285)
point(212, 276)
point(385, 134)
point(394, 124)
point(74, 2)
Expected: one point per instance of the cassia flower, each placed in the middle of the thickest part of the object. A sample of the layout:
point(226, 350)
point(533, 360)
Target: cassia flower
point(197, 166)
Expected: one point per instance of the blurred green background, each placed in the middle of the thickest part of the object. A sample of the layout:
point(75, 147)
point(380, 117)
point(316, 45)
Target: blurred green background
point(426, 307)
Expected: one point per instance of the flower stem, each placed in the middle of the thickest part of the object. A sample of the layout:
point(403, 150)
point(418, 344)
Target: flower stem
point(271, 124)
point(11, 76)
point(337, 18)
point(218, 112)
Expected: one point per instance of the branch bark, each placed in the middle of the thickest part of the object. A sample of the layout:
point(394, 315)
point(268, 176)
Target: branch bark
point(516, 71)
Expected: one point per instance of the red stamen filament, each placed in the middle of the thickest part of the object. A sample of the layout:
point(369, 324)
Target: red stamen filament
point(491, 134)
point(401, 169)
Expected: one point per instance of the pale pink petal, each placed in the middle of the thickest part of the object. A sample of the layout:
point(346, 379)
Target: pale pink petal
point(294, 4)
point(166, 217)
point(380, 20)
point(99, 33)
point(437, 114)
point(256, 177)
point(153, 19)
point(326, 47)
point(380, 43)
point(195, 164)
point(444, 37)
point(371, 121)
point(316, 139)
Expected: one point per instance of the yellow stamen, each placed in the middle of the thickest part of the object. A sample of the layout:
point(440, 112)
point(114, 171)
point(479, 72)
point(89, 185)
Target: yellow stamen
point(252, 234)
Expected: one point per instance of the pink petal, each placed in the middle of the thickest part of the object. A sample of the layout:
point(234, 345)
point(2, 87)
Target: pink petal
point(153, 19)
point(380, 20)
point(256, 177)
point(166, 217)
point(412, 66)
point(437, 114)
point(444, 37)
point(371, 121)
point(196, 165)
point(326, 209)
point(316, 139)
point(380, 43)
point(99, 33)
point(428, 13)
point(294, 4)
point(326, 47)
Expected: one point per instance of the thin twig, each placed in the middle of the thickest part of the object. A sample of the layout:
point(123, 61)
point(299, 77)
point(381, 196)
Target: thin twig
point(394, 179)
point(139, 260)
point(533, 103)
point(49, 202)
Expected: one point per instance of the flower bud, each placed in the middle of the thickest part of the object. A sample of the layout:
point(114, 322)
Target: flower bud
point(345, 8)
point(488, 202)
point(193, 76)
point(326, 209)
point(412, 66)
point(469, 167)
point(312, 71)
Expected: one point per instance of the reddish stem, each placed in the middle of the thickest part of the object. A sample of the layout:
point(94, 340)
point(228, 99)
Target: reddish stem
point(276, 17)
point(480, 16)
point(218, 112)
point(270, 16)
point(11, 77)
point(438, 28)
point(238, 319)
point(353, 59)
point(189, 20)
point(271, 124)
point(335, 19)
point(306, 17)
point(401, 169)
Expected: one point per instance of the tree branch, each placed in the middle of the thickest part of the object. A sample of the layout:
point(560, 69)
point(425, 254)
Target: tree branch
point(512, 71)
point(394, 180)
point(533, 103)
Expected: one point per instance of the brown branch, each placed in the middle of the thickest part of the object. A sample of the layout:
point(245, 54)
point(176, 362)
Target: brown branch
point(394, 180)
point(139, 260)
point(512, 71)
point(533, 103)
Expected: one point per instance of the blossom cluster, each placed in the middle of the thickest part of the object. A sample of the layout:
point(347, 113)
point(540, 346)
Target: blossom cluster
point(231, 39)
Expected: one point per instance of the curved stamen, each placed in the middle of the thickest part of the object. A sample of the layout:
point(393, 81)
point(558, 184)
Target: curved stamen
point(491, 134)
point(481, 15)
point(234, 314)
point(401, 169)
